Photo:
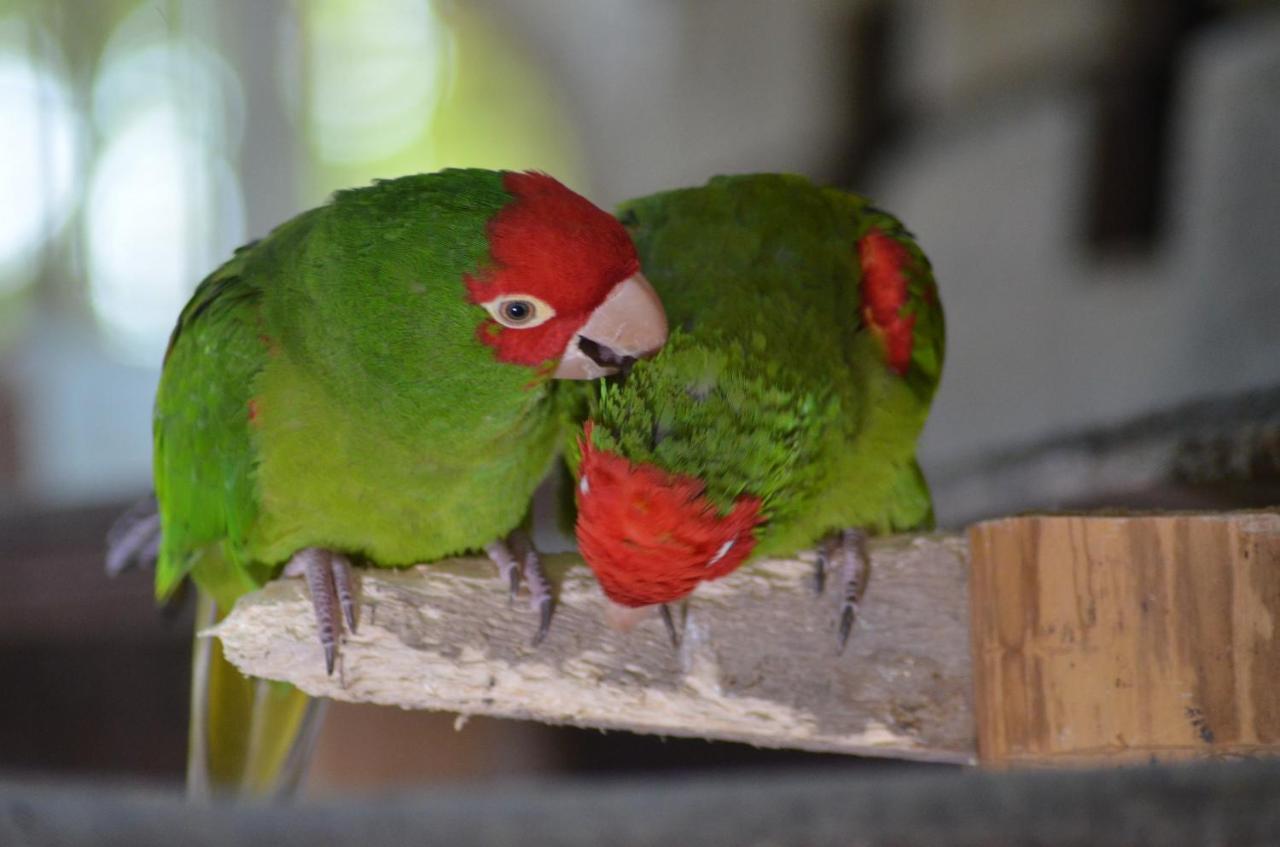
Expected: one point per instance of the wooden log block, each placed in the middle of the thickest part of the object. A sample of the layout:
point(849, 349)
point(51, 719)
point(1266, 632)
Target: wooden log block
point(757, 662)
point(1126, 638)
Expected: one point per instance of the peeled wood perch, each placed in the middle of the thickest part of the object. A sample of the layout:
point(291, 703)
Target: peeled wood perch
point(1097, 638)
point(757, 661)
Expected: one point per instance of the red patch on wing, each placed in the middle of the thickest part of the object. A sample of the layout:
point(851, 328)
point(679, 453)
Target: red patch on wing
point(652, 536)
point(885, 262)
point(559, 247)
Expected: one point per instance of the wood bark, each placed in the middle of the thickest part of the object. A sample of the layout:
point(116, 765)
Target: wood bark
point(757, 660)
point(1126, 638)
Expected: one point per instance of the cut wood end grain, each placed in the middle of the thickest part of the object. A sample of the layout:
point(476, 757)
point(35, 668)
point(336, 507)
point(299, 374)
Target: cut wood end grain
point(1126, 638)
point(757, 661)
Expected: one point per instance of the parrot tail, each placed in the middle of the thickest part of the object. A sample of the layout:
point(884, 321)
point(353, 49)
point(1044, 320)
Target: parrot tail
point(249, 737)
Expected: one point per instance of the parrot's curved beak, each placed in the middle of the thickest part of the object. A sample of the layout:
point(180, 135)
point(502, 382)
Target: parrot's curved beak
point(630, 324)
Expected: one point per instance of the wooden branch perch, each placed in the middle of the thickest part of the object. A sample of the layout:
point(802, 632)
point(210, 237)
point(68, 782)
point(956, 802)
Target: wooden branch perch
point(1098, 639)
point(757, 661)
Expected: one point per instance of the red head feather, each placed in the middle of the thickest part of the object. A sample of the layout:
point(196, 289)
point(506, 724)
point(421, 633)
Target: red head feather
point(555, 245)
point(652, 536)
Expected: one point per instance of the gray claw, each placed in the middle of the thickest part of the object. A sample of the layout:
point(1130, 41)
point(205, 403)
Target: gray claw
point(318, 567)
point(820, 569)
point(847, 616)
point(344, 582)
point(499, 552)
point(539, 589)
point(848, 549)
point(546, 609)
point(134, 538)
point(669, 620)
point(516, 558)
point(513, 581)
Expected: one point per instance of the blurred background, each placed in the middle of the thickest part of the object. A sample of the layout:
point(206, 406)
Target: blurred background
point(1096, 181)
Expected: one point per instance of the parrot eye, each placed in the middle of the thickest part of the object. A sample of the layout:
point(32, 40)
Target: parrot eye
point(520, 311)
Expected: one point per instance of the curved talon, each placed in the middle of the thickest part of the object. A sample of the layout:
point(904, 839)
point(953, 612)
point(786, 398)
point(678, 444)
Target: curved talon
point(499, 552)
point(849, 549)
point(513, 588)
point(546, 609)
point(539, 589)
point(848, 614)
point(344, 581)
point(331, 584)
point(820, 568)
point(669, 620)
point(517, 557)
point(134, 538)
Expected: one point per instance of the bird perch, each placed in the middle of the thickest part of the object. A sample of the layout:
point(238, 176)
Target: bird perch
point(1099, 639)
point(757, 659)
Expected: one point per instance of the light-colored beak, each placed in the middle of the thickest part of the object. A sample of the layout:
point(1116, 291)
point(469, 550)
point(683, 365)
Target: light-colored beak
point(630, 324)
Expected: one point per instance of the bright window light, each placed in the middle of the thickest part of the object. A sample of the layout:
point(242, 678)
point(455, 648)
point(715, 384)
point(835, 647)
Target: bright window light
point(374, 74)
point(39, 137)
point(162, 212)
point(163, 207)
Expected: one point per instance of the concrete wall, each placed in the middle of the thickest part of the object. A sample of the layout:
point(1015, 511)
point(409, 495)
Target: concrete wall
point(1044, 338)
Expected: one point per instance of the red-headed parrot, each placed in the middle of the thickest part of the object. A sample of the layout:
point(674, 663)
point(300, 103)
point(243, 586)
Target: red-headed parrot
point(373, 383)
point(783, 413)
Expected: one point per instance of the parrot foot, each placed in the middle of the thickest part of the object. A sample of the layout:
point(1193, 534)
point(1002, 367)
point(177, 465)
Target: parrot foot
point(516, 557)
point(332, 585)
point(846, 550)
point(134, 538)
point(508, 568)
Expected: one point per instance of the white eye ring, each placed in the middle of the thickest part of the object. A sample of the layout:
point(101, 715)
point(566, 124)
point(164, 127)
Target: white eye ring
point(519, 311)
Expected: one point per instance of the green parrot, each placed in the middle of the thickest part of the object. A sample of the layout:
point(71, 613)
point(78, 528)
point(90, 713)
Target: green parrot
point(373, 383)
point(783, 412)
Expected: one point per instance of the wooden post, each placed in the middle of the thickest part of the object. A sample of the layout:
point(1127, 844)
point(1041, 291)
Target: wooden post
point(1126, 638)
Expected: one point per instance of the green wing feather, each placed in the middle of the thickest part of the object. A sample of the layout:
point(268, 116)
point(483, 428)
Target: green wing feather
point(242, 730)
point(203, 455)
